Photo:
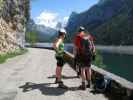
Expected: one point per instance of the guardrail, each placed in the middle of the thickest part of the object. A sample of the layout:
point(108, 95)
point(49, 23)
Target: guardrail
point(119, 86)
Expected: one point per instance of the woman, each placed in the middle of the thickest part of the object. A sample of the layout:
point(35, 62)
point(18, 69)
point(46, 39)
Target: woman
point(59, 49)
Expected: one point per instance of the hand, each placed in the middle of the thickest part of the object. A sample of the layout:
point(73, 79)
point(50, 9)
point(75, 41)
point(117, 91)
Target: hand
point(94, 53)
point(93, 57)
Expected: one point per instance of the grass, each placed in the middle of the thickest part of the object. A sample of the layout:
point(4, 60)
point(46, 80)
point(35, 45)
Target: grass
point(17, 52)
point(99, 60)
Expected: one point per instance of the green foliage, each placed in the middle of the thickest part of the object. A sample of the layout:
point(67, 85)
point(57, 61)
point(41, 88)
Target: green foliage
point(117, 31)
point(1, 4)
point(1, 1)
point(27, 9)
point(99, 60)
point(4, 57)
point(31, 37)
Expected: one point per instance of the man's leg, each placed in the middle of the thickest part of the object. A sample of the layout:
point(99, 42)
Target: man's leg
point(88, 76)
point(83, 74)
point(83, 77)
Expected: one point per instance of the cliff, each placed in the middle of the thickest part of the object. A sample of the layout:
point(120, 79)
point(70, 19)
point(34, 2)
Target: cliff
point(13, 17)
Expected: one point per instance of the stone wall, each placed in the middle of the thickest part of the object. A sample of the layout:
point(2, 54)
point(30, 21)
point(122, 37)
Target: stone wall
point(13, 17)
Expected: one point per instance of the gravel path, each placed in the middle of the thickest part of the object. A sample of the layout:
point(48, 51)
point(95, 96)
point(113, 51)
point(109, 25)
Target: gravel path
point(31, 77)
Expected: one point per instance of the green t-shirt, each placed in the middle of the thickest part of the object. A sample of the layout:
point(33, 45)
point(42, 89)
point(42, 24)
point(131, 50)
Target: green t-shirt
point(60, 50)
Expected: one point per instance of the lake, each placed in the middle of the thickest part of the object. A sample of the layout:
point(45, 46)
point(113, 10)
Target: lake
point(118, 63)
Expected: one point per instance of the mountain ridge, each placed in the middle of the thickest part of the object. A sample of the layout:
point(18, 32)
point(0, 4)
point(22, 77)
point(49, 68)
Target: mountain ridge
point(99, 14)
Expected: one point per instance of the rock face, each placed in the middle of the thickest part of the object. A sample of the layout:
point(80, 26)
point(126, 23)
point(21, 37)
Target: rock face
point(96, 15)
point(13, 17)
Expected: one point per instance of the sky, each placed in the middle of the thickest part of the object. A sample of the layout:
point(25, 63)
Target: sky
point(50, 12)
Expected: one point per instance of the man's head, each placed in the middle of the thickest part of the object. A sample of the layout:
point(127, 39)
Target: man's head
point(81, 29)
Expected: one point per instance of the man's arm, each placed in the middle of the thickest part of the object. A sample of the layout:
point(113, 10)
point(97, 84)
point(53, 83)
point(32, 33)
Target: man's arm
point(94, 48)
point(75, 46)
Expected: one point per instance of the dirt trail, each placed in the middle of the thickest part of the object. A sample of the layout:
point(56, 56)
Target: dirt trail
point(31, 77)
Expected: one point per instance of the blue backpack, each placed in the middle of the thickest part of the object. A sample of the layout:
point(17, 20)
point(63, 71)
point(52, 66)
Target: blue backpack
point(103, 84)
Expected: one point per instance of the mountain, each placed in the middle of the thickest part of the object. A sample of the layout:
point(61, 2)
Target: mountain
point(117, 31)
point(44, 33)
point(99, 18)
point(96, 15)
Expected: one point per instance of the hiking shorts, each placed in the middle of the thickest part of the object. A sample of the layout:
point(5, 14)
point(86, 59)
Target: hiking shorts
point(60, 61)
point(84, 61)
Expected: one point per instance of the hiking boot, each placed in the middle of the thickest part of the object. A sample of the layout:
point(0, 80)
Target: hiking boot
point(61, 85)
point(88, 84)
point(82, 87)
point(78, 74)
point(56, 81)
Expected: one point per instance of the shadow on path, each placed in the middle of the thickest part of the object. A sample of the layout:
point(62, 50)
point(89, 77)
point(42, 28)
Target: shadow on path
point(44, 88)
point(64, 77)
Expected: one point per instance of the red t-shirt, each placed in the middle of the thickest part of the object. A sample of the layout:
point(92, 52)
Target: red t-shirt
point(77, 41)
point(79, 37)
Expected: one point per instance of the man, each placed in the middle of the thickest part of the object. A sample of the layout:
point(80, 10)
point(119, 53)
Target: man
point(83, 49)
point(77, 47)
point(59, 49)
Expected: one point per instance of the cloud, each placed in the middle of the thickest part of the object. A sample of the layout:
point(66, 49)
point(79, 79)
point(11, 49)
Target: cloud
point(48, 19)
point(65, 20)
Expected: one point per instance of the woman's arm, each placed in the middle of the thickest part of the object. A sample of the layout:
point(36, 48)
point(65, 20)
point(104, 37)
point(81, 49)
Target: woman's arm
point(56, 43)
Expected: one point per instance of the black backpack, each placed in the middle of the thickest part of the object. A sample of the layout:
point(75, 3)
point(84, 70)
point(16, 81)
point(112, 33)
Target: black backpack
point(85, 43)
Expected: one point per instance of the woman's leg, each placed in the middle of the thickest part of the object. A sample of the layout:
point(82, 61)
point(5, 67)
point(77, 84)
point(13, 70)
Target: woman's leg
point(58, 73)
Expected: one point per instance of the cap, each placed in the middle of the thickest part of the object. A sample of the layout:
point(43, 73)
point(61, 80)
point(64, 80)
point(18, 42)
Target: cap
point(62, 30)
point(81, 28)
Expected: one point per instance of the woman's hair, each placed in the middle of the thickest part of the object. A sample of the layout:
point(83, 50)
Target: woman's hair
point(60, 34)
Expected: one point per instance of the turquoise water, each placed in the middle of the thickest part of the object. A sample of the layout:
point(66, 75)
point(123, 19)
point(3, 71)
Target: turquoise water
point(119, 64)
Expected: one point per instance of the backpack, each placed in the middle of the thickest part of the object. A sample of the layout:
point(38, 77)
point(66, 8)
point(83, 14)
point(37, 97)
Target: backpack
point(85, 51)
point(102, 84)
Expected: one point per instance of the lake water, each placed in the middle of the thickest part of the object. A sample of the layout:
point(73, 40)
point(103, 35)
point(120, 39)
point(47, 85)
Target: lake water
point(117, 63)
